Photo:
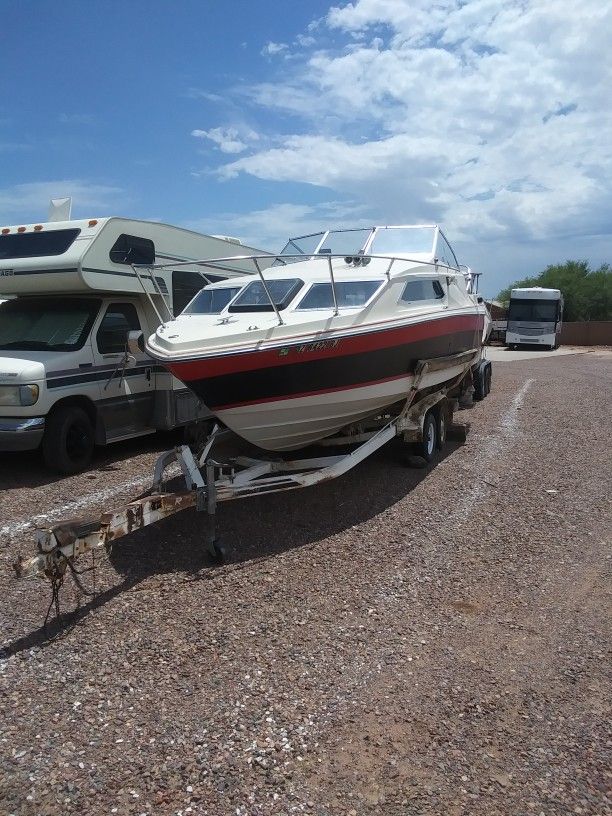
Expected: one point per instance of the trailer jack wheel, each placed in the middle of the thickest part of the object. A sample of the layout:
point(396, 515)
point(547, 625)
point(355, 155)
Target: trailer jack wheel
point(217, 551)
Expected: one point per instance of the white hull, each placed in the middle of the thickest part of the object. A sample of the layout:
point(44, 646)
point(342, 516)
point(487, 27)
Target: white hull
point(289, 424)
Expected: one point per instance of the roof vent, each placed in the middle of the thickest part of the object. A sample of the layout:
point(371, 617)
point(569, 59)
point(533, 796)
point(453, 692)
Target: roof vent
point(60, 209)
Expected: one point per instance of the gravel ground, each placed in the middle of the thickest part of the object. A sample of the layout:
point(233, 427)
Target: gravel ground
point(394, 642)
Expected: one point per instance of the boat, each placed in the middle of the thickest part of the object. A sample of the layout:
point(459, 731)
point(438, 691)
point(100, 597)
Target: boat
point(329, 336)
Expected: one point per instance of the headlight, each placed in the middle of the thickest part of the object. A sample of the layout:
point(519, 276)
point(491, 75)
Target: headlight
point(18, 395)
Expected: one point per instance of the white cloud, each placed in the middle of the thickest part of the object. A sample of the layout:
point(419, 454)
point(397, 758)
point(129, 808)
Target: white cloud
point(271, 49)
point(489, 116)
point(305, 40)
point(228, 140)
point(30, 202)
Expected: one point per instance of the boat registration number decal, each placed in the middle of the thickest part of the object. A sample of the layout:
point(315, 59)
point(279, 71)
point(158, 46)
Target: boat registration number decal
point(307, 348)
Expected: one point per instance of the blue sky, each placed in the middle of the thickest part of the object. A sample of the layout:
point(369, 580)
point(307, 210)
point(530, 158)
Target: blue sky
point(264, 119)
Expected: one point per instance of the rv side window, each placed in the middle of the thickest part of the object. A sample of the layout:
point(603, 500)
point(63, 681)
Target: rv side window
point(422, 290)
point(185, 285)
point(36, 244)
point(130, 249)
point(120, 318)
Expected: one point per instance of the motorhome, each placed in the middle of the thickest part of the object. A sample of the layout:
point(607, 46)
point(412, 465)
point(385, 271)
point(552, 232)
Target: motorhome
point(75, 290)
point(535, 317)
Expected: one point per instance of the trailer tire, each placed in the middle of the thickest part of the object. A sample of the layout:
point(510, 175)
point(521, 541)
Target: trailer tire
point(68, 442)
point(487, 376)
point(479, 384)
point(442, 427)
point(426, 448)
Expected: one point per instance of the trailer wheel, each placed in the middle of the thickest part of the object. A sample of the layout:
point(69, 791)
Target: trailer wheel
point(479, 384)
point(426, 448)
point(487, 380)
point(68, 442)
point(442, 427)
point(217, 551)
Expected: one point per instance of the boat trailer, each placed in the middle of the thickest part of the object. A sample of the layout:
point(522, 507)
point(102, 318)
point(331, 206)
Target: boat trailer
point(208, 482)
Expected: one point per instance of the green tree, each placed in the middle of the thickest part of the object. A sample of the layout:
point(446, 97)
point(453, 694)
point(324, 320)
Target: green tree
point(587, 293)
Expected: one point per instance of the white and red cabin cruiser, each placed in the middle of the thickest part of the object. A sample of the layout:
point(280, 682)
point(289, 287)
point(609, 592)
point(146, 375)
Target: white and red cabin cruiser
point(326, 337)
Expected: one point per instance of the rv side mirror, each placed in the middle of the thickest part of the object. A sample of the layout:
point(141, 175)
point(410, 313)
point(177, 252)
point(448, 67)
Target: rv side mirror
point(136, 342)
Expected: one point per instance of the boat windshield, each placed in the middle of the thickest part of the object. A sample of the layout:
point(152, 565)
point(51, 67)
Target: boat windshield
point(211, 301)
point(304, 245)
point(43, 324)
point(332, 242)
point(403, 241)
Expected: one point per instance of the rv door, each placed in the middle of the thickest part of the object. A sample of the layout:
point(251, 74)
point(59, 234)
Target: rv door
point(128, 386)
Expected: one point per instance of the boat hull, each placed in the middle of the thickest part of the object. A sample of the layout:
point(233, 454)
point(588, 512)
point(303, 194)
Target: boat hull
point(292, 395)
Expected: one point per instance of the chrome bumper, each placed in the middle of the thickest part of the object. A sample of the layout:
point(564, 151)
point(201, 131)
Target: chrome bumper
point(21, 433)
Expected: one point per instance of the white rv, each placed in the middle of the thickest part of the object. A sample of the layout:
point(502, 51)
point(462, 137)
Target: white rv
point(67, 380)
point(535, 317)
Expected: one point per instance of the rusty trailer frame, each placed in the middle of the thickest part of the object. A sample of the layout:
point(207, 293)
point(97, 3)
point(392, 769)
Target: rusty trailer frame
point(208, 482)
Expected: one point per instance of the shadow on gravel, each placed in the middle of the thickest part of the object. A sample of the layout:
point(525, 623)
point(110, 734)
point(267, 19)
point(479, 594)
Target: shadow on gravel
point(61, 626)
point(250, 530)
point(27, 469)
point(263, 526)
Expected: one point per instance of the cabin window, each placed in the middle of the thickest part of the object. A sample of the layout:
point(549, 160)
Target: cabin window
point(254, 297)
point(211, 301)
point(36, 244)
point(112, 335)
point(422, 289)
point(130, 249)
point(349, 294)
point(186, 284)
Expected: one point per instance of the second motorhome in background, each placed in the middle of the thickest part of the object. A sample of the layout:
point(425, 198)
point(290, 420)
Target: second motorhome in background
point(67, 381)
point(535, 317)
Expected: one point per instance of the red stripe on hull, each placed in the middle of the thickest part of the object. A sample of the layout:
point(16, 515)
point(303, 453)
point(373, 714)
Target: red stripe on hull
point(234, 363)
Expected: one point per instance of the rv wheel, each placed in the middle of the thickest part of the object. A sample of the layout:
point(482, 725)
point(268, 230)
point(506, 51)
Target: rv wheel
point(68, 442)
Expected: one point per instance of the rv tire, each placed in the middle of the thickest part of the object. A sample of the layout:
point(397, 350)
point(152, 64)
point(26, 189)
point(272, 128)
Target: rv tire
point(68, 442)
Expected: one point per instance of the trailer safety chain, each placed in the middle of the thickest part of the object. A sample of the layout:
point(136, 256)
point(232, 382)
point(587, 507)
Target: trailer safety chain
point(57, 575)
point(56, 585)
point(76, 573)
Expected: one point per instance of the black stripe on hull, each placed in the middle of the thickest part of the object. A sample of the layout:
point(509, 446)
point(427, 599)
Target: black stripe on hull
point(341, 371)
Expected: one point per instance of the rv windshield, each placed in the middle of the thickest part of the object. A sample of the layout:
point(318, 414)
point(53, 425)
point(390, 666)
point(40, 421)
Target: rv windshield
point(537, 311)
point(45, 324)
